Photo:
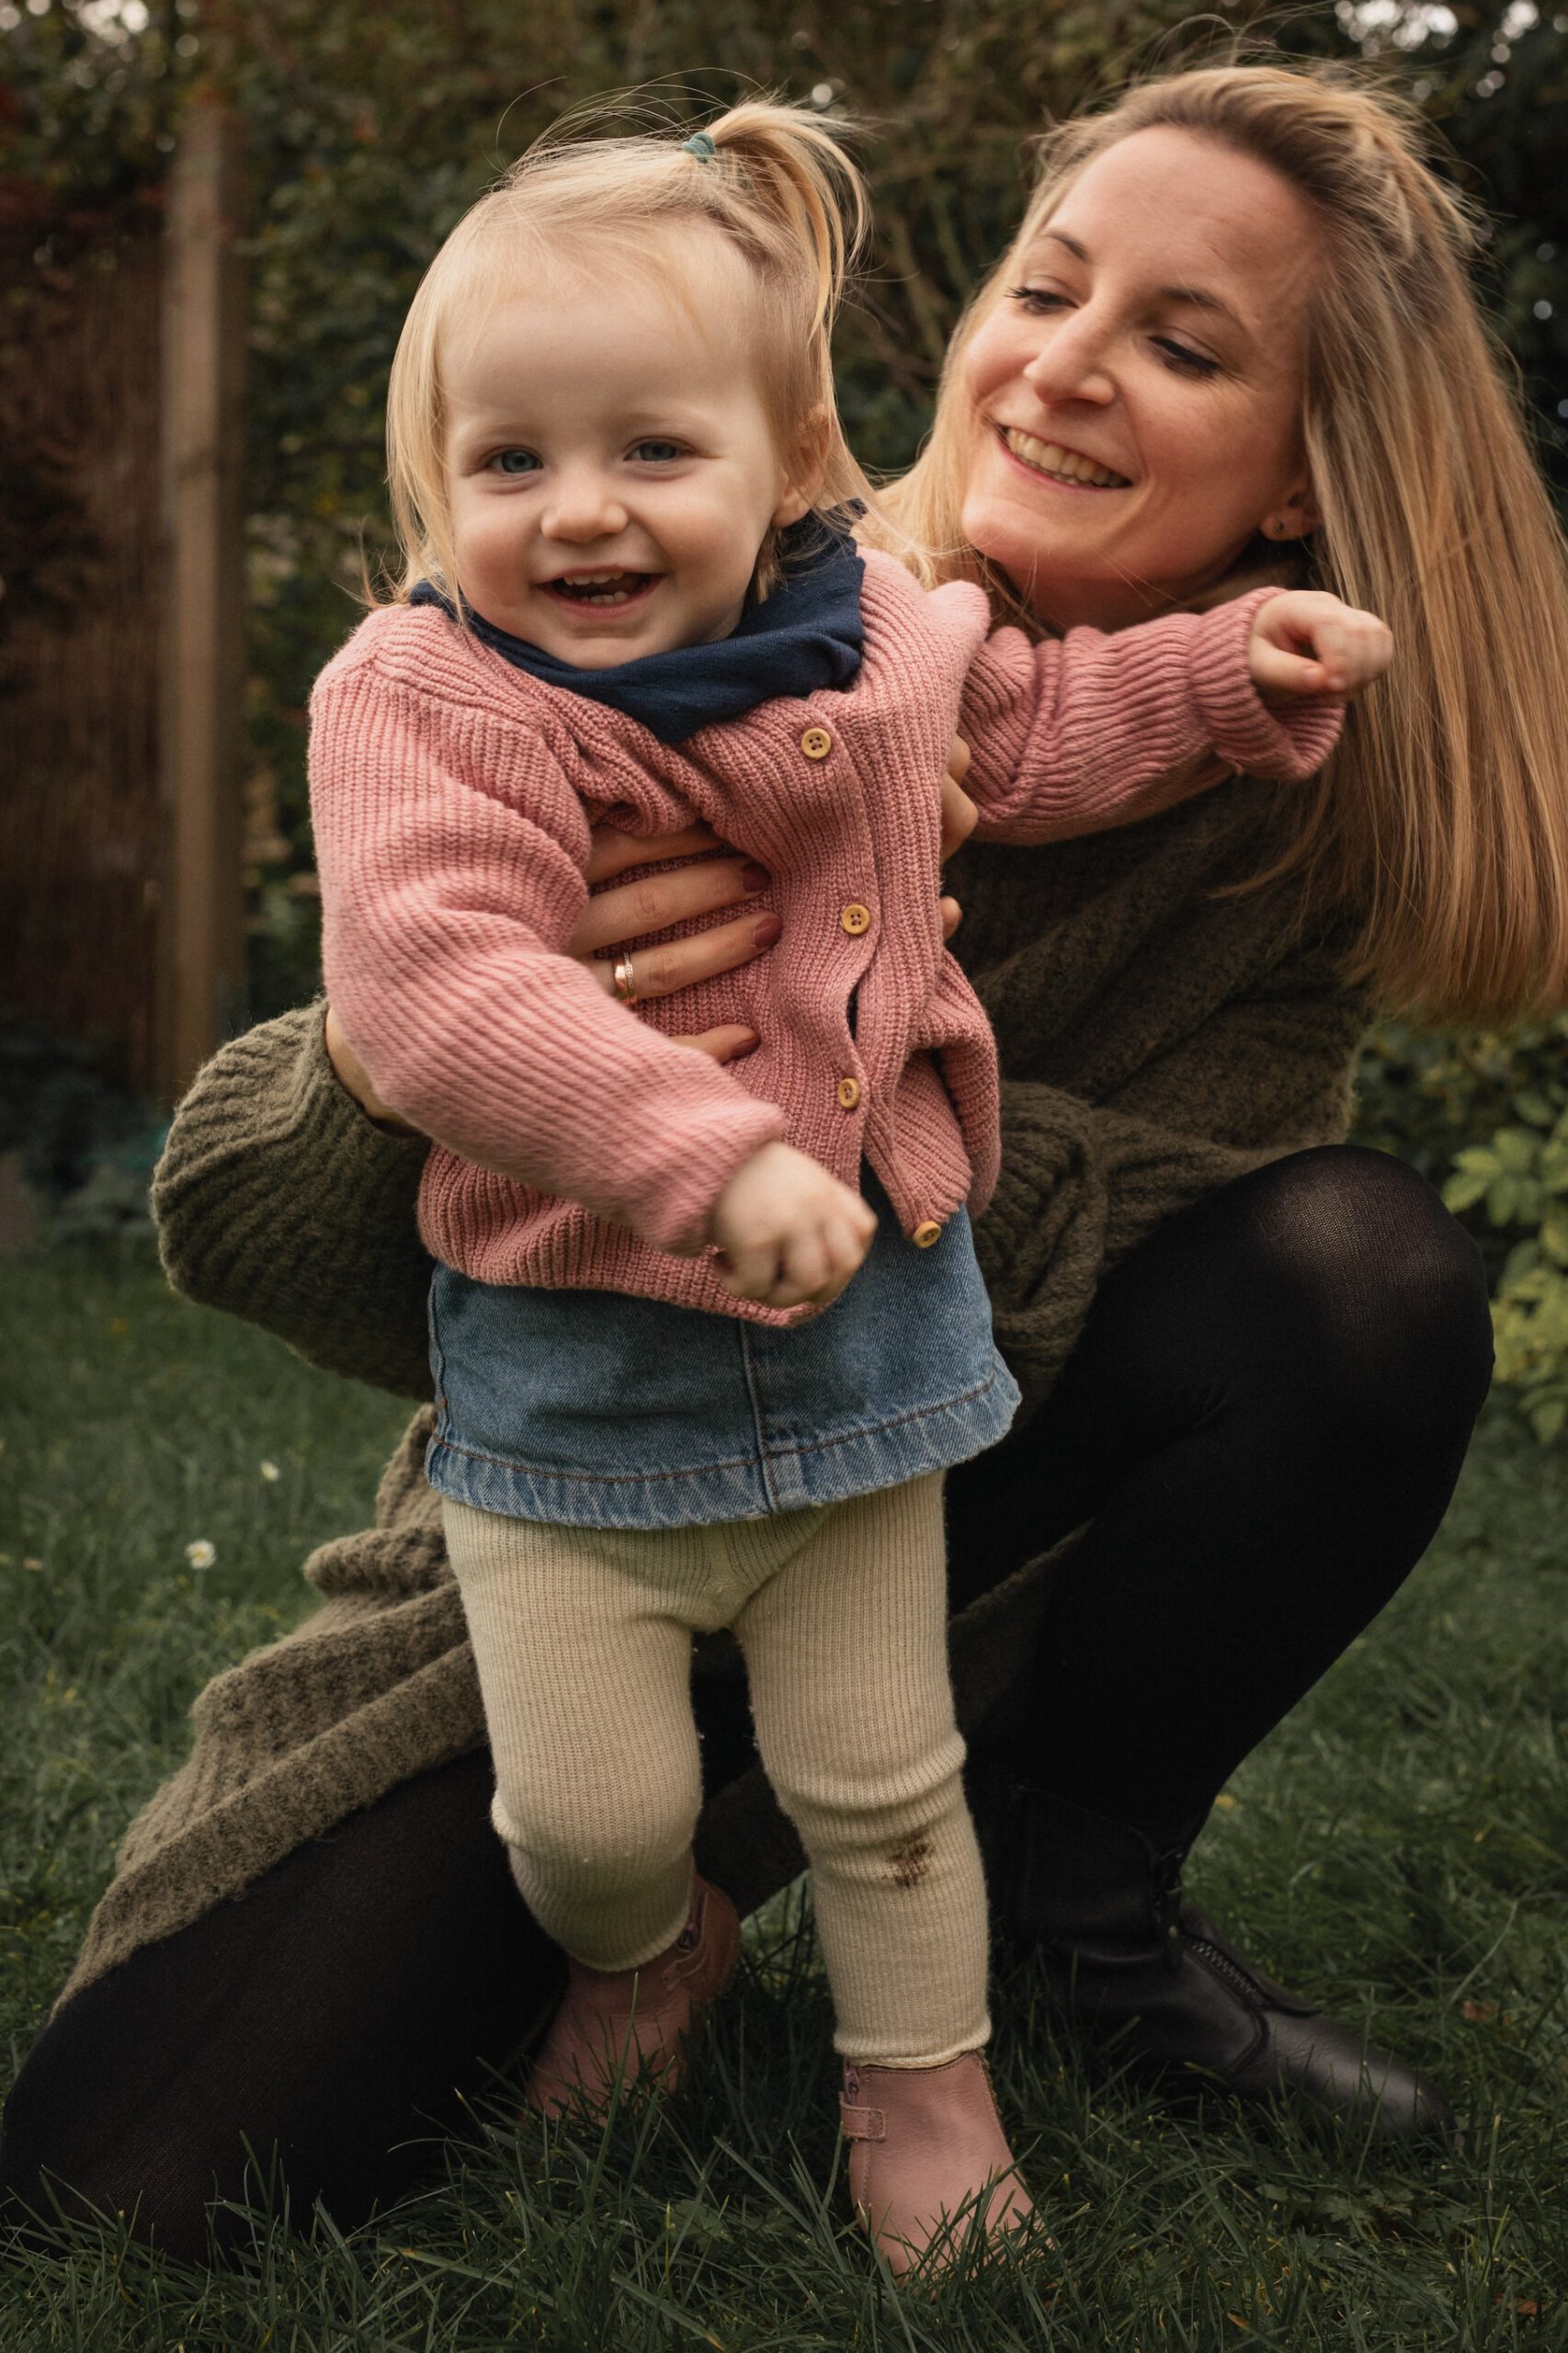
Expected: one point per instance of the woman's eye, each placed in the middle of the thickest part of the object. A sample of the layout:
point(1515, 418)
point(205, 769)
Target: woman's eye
point(515, 461)
point(657, 453)
point(1183, 361)
point(1037, 300)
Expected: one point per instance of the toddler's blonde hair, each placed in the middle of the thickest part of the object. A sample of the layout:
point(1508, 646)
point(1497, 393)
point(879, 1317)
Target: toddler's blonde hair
point(1442, 820)
point(777, 184)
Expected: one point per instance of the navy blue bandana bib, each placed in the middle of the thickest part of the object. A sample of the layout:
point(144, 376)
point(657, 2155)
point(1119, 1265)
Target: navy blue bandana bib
point(807, 634)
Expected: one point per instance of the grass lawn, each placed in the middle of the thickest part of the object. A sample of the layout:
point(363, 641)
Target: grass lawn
point(1397, 1850)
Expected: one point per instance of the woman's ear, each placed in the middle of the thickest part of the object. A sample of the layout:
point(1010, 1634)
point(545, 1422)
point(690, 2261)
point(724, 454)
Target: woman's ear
point(1296, 515)
point(805, 470)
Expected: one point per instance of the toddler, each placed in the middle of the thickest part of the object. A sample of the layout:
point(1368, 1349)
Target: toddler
point(632, 597)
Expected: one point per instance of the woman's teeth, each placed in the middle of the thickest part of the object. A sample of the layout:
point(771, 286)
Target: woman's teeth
point(1066, 465)
point(600, 587)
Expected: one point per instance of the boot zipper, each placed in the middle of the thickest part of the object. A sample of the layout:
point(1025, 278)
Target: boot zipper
point(1167, 1910)
point(1223, 1966)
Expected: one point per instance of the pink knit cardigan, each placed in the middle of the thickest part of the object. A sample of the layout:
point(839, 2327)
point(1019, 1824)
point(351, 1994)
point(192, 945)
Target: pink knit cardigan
point(576, 1144)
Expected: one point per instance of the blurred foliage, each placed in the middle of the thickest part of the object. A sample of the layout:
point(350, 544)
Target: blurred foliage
point(84, 1144)
point(1486, 1119)
point(1518, 1178)
point(371, 124)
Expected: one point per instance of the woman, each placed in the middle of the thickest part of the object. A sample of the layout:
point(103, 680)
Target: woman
point(1234, 337)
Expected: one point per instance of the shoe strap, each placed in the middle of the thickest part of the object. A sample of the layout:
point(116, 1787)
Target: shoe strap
point(862, 2123)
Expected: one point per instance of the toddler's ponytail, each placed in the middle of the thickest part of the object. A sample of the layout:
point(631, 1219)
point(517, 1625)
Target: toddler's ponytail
point(786, 166)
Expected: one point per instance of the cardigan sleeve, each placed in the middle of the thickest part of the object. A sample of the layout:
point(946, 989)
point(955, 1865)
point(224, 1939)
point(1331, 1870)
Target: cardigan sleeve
point(1084, 1183)
point(1076, 734)
point(453, 850)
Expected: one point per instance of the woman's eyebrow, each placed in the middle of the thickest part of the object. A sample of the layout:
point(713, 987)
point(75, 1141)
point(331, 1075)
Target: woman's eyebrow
point(1197, 298)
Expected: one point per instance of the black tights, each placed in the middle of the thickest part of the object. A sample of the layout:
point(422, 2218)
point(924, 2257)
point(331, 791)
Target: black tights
point(1263, 1421)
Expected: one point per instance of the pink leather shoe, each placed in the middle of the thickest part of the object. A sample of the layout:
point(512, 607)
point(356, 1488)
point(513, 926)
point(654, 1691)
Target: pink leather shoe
point(924, 2141)
point(634, 2022)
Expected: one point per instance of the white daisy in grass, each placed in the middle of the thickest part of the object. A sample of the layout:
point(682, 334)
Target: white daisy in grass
point(270, 1471)
point(201, 1554)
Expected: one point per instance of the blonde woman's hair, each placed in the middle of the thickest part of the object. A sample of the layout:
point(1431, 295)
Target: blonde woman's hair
point(1442, 822)
point(771, 179)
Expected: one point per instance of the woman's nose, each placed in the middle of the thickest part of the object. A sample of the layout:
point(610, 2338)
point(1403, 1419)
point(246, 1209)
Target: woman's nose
point(582, 505)
point(1072, 362)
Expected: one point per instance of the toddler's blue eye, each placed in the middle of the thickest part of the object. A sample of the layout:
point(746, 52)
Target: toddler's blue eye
point(658, 453)
point(515, 461)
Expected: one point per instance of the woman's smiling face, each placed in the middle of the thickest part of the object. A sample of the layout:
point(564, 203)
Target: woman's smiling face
point(1136, 388)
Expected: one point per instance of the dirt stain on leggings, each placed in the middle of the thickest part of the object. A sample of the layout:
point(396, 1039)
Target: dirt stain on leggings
point(911, 1862)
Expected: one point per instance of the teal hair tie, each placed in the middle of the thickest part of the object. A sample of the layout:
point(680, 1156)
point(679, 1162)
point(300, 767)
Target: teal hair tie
point(701, 144)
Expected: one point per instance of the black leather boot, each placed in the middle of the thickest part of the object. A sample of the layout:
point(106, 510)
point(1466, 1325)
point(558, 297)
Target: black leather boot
point(1129, 1959)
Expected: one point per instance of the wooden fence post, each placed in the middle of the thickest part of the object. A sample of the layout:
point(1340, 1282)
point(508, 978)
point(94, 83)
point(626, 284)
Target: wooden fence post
point(202, 954)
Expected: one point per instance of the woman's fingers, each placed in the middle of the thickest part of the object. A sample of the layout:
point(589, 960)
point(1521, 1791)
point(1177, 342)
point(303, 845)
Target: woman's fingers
point(677, 963)
point(952, 915)
point(612, 851)
point(726, 1044)
point(648, 902)
point(959, 815)
point(352, 1075)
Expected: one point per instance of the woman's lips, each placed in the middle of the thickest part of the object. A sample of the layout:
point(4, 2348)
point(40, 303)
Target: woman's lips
point(601, 592)
point(1052, 461)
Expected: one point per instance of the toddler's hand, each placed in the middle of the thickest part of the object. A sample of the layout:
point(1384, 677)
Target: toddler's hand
point(1306, 642)
point(789, 1230)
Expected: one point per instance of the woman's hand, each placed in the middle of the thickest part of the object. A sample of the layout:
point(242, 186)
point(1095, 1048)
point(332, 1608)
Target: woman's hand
point(960, 818)
point(1305, 642)
point(352, 1075)
point(789, 1230)
point(641, 903)
point(648, 902)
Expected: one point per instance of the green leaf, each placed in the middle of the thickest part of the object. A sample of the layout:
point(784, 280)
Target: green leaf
point(1547, 1420)
point(1518, 1149)
point(1464, 1189)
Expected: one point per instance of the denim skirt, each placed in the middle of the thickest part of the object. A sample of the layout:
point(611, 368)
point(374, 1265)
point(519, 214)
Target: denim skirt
point(595, 1409)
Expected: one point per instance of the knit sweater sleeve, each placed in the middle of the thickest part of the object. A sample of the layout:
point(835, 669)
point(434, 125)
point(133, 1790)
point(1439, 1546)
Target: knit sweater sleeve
point(453, 852)
point(1083, 1183)
point(276, 1200)
point(1079, 733)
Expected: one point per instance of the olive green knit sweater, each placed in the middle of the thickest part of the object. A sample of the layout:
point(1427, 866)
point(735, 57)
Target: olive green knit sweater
point(1156, 1039)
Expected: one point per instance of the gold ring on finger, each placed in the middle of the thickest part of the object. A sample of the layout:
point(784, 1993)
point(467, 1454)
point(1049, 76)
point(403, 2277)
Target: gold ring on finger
point(625, 993)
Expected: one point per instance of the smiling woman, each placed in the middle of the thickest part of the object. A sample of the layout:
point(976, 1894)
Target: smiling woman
point(1139, 386)
point(1246, 292)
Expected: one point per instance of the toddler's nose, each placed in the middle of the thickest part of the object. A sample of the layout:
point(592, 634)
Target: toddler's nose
point(583, 507)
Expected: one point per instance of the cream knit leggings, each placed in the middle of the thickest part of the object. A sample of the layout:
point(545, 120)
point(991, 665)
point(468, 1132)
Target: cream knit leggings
point(583, 1637)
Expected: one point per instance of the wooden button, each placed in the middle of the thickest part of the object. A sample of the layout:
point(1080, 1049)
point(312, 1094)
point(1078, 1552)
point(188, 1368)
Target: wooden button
point(923, 1235)
point(816, 743)
point(854, 919)
point(848, 1092)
